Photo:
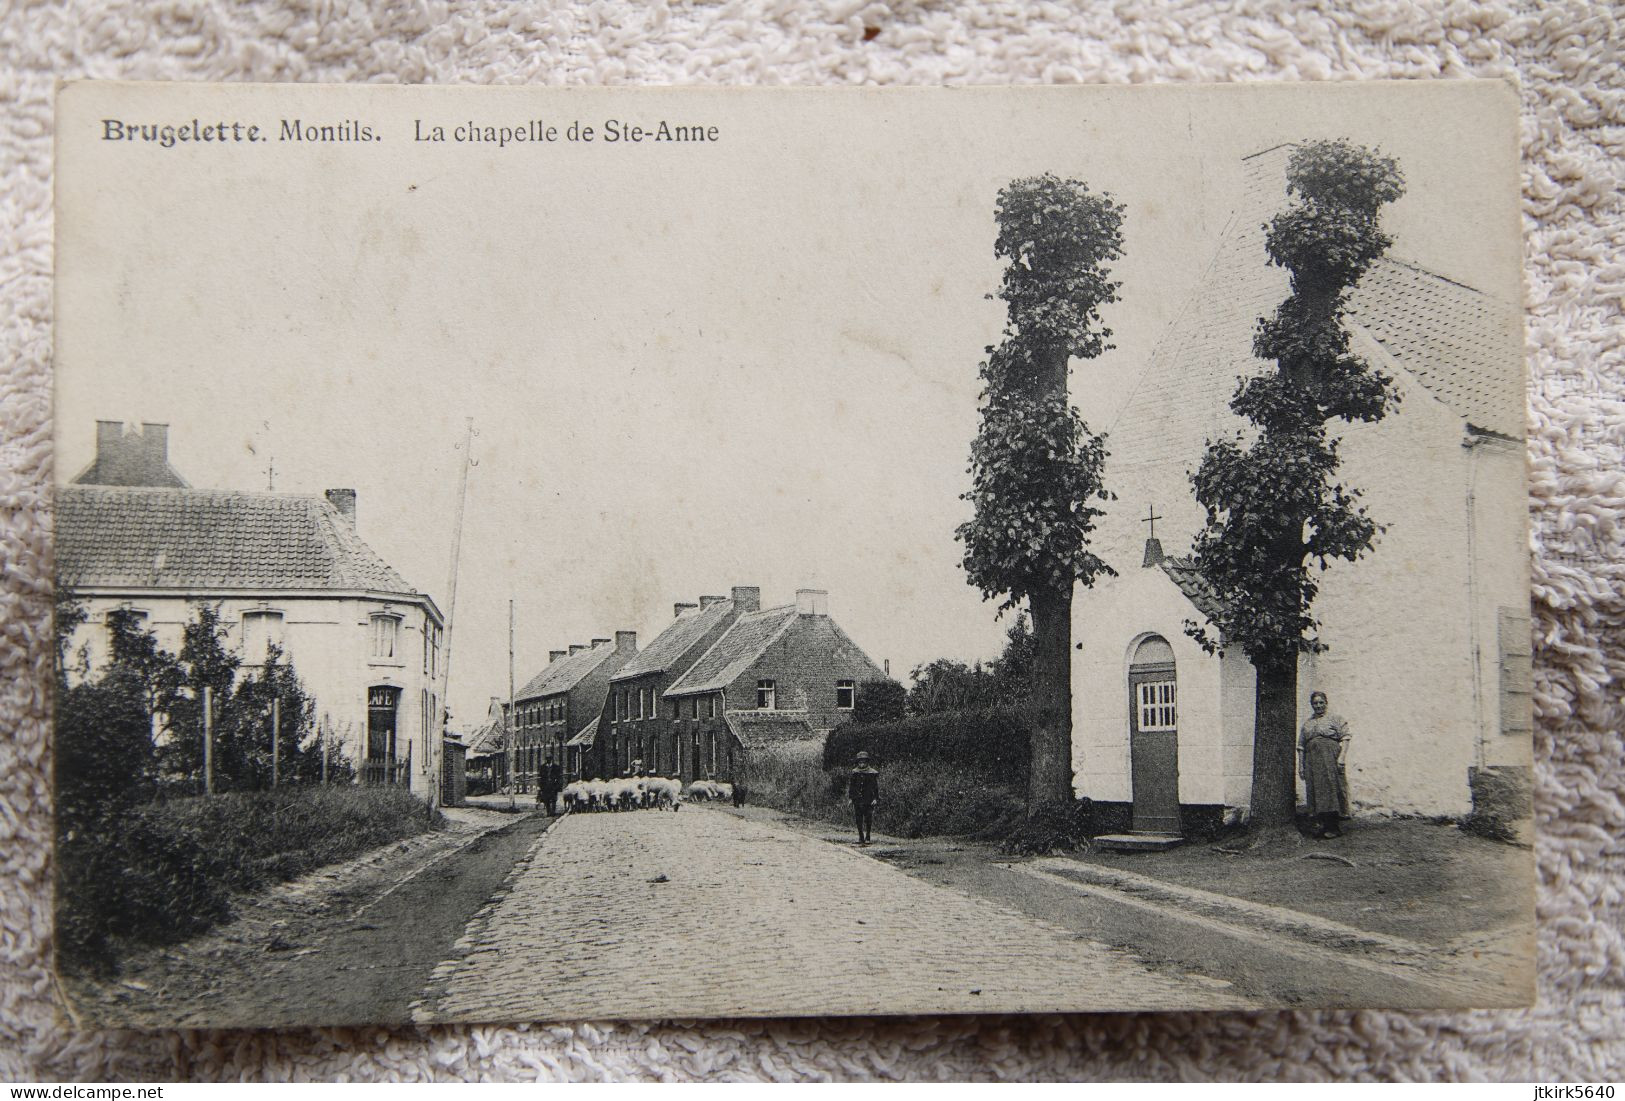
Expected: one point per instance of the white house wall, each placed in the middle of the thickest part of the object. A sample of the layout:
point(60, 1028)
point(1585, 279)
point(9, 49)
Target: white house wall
point(328, 640)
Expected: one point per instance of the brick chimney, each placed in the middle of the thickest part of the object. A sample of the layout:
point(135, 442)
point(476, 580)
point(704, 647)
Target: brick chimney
point(626, 642)
point(812, 602)
point(133, 458)
point(597, 642)
point(707, 601)
point(555, 655)
point(747, 598)
point(576, 648)
point(679, 608)
point(344, 501)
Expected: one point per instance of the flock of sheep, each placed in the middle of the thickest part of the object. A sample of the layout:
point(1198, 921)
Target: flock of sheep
point(640, 792)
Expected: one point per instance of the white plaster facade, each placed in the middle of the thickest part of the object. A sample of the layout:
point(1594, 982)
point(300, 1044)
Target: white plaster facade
point(329, 638)
point(1427, 637)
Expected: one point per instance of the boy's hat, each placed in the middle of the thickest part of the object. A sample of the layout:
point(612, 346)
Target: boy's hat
point(863, 756)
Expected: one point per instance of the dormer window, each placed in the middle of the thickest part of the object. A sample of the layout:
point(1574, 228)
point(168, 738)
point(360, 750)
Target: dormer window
point(766, 695)
point(386, 636)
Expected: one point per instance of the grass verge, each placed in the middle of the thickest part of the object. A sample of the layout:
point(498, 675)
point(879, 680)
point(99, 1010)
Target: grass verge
point(165, 871)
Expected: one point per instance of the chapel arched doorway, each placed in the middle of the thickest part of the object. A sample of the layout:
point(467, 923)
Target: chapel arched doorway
point(1154, 736)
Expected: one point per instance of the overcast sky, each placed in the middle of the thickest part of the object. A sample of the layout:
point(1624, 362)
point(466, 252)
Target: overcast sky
point(752, 363)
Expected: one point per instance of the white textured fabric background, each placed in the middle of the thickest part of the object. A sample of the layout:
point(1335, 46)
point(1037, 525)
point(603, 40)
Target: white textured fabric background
point(1565, 58)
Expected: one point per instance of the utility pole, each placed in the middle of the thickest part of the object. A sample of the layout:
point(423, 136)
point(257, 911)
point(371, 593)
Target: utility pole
point(208, 740)
point(451, 582)
point(507, 722)
point(276, 729)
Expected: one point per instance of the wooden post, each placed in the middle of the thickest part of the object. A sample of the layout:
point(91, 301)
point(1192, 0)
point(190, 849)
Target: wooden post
point(208, 740)
point(508, 726)
point(276, 729)
point(323, 736)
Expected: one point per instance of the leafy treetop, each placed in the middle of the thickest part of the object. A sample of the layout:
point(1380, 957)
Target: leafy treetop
point(1273, 504)
point(1035, 467)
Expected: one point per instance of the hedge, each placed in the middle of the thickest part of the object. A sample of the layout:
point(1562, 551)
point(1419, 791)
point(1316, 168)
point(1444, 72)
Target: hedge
point(166, 870)
point(993, 744)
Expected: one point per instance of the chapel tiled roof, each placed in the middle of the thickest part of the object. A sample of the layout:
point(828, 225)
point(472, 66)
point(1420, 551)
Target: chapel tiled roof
point(734, 652)
point(669, 646)
point(201, 539)
point(1453, 338)
point(565, 673)
point(770, 729)
point(1202, 595)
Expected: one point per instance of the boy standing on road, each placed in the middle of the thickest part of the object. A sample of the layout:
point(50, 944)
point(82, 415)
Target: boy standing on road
point(864, 790)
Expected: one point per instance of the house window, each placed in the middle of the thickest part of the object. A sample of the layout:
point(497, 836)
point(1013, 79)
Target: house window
point(845, 690)
point(676, 709)
point(694, 754)
point(386, 636)
point(710, 707)
point(713, 770)
point(766, 693)
point(261, 631)
point(694, 707)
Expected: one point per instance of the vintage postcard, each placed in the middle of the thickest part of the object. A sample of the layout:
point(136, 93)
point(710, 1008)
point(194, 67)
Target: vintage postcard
point(533, 554)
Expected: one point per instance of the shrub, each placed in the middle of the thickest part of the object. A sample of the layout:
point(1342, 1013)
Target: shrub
point(879, 701)
point(166, 870)
point(917, 798)
point(993, 744)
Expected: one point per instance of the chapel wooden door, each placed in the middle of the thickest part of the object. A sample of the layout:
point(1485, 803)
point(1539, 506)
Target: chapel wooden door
point(1154, 744)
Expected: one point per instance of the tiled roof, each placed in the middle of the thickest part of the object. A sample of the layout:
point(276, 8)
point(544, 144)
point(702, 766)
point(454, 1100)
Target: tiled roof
point(565, 673)
point(767, 729)
point(734, 652)
point(146, 537)
point(488, 738)
point(1454, 339)
point(587, 735)
point(1197, 591)
point(669, 646)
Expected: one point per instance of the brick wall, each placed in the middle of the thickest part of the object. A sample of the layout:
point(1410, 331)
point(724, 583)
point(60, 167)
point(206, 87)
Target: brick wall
point(805, 663)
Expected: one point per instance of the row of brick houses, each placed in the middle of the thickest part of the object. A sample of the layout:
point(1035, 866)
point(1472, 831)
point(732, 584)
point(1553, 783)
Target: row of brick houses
point(725, 677)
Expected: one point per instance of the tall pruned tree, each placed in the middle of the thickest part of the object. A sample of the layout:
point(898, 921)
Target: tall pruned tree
point(1035, 466)
point(1272, 498)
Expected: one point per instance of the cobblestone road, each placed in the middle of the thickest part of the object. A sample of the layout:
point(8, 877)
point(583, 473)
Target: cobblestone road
point(700, 913)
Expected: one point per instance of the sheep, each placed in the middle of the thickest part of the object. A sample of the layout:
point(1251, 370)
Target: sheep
point(575, 796)
point(663, 793)
point(709, 790)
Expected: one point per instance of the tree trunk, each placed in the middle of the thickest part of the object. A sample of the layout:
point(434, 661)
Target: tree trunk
point(1050, 771)
point(1275, 737)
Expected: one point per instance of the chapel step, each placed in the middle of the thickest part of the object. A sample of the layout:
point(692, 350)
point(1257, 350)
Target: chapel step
point(1138, 842)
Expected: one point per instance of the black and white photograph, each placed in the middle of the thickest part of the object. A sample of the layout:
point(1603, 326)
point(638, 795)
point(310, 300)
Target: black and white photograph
point(540, 555)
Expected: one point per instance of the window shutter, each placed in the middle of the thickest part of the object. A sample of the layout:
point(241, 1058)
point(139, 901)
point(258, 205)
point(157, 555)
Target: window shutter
point(1517, 672)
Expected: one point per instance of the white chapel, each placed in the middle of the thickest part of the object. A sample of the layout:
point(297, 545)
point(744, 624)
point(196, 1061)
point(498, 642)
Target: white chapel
point(1426, 639)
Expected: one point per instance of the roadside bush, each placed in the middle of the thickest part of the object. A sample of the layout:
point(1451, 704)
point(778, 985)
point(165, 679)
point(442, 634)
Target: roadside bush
point(164, 871)
point(917, 798)
point(992, 744)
